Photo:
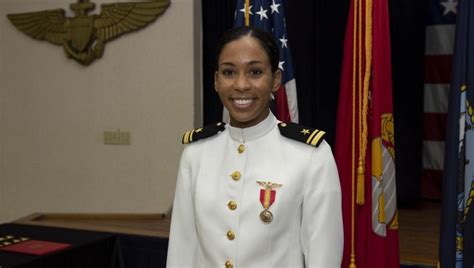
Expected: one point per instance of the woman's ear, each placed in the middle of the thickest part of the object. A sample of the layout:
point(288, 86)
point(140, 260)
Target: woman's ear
point(215, 81)
point(276, 83)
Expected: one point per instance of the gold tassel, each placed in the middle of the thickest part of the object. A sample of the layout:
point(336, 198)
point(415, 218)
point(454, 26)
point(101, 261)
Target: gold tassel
point(360, 199)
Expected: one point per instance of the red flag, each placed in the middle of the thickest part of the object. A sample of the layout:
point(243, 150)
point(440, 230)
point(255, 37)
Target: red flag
point(365, 151)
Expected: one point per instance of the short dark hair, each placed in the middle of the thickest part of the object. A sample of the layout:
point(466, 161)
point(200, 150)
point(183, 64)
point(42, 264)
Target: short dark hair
point(264, 38)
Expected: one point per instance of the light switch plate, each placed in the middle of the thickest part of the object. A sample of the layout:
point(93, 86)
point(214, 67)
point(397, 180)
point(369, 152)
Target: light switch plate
point(117, 137)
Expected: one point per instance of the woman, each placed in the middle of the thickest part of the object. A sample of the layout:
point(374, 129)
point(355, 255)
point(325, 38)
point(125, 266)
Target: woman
point(257, 192)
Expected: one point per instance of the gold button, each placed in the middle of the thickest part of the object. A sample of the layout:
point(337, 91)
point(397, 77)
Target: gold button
point(235, 175)
point(283, 124)
point(228, 264)
point(230, 235)
point(241, 148)
point(232, 205)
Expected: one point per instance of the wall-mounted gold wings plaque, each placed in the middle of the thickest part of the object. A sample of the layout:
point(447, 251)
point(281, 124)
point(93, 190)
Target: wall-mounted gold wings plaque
point(84, 36)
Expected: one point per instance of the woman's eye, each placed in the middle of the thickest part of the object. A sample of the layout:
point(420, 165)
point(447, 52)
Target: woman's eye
point(255, 72)
point(228, 72)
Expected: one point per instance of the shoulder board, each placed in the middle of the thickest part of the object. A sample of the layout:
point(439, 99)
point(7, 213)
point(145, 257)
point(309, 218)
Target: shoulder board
point(202, 133)
point(310, 136)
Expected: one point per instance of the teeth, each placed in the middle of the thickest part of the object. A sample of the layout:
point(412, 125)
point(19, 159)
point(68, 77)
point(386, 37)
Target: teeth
point(242, 101)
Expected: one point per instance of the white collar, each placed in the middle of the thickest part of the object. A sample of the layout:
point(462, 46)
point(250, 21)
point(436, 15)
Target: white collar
point(254, 132)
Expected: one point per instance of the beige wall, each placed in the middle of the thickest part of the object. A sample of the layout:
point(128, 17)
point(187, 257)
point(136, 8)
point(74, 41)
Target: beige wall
point(53, 113)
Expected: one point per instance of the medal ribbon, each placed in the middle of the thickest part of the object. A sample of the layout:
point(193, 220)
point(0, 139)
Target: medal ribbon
point(267, 197)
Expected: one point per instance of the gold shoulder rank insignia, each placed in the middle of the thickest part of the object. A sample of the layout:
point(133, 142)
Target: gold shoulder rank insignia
point(202, 133)
point(310, 136)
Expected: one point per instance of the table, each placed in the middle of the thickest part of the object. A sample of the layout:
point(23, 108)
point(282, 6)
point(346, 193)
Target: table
point(89, 249)
point(143, 237)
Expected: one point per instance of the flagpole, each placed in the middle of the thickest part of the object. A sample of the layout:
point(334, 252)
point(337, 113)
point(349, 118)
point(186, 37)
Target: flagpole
point(247, 13)
point(354, 87)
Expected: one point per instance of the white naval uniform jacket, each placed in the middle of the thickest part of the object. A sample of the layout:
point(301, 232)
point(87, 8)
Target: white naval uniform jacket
point(306, 230)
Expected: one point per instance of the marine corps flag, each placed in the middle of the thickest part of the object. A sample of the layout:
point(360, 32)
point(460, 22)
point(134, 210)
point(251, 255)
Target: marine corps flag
point(364, 151)
point(457, 214)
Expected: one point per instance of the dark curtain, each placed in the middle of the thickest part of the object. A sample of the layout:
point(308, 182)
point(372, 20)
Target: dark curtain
point(316, 34)
point(217, 17)
point(316, 31)
point(407, 33)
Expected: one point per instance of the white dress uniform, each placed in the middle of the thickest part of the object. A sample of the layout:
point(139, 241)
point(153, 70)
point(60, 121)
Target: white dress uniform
point(226, 179)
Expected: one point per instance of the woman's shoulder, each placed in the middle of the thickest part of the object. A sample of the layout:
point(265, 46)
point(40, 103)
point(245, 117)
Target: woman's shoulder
point(202, 132)
point(303, 134)
point(197, 140)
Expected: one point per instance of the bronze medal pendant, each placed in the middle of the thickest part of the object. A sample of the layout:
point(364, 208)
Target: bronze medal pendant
point(267, 197)
point(266, 216)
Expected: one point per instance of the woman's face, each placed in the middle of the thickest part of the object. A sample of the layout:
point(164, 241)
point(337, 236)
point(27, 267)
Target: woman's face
point(244, 81)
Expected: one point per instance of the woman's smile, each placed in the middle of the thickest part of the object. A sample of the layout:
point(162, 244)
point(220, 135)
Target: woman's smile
point(243, 102)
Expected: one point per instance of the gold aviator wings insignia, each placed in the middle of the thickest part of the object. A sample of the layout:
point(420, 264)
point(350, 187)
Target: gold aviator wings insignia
point(83, 36)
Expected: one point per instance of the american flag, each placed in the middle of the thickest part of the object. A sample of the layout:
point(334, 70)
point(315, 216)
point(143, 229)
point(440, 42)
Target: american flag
point(440, 29)
point(269, 16)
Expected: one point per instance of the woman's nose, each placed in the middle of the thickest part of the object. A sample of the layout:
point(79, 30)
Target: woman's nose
point(242, 83)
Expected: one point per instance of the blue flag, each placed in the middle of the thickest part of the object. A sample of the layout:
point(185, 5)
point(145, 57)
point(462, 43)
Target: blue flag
point(457, 223)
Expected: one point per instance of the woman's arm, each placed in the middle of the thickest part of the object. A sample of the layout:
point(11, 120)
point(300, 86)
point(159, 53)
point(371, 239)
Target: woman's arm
point(183, 237)
point(321, 228)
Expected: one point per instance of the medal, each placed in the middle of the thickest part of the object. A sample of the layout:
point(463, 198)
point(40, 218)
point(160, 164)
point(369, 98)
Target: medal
point(267, 197)
point(266, 216)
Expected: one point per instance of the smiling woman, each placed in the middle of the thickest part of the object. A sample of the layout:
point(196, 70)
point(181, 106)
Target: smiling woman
point(257, 192)
point(245, 79)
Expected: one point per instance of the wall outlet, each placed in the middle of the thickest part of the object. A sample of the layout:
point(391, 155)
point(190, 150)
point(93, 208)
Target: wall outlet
point(117, 137)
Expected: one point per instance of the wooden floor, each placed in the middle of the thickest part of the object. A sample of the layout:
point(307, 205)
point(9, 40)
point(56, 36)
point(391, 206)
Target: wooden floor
point(419, 234)
point(156, 225)
point(418, 228)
